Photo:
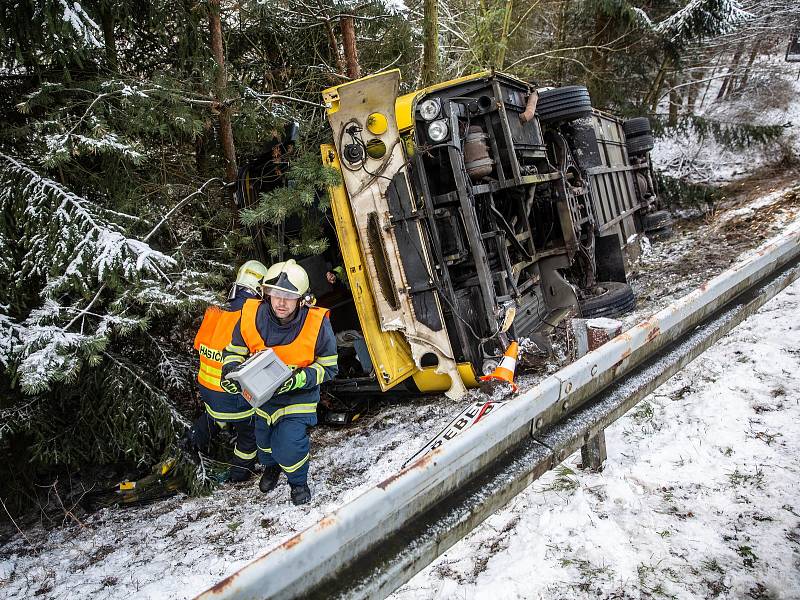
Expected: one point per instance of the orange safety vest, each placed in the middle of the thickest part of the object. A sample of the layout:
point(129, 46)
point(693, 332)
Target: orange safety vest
point(214, 334)
point(300, 352)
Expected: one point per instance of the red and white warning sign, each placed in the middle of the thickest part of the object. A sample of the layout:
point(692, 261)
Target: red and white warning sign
point(468, 417)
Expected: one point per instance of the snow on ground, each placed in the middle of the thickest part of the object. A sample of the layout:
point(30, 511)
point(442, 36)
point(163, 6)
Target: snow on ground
point(178, 547)
point(699, 497)
point(703, 247)
point(772, 98)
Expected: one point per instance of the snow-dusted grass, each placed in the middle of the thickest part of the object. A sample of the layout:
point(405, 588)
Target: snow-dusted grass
point(699, 498)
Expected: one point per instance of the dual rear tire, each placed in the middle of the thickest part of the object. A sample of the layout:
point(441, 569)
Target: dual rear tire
point(608, 299)
point(638, 136)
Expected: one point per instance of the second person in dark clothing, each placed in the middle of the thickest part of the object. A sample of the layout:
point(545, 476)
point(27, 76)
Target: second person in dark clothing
point(226, 408)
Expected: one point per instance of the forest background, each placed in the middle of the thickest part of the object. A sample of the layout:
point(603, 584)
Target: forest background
point(124, 125)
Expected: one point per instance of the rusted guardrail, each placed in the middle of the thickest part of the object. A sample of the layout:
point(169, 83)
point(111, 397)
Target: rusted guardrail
point(372, 545)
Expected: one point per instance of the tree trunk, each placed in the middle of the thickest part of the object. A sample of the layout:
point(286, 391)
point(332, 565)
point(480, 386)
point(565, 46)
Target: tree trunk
point(501, 51)
point(694, 90)
point(430, 44)
point(334, 48)
point(201, 152)
point(350, 51)
point(725, 89)
point(733, 78)
point(651, 99)
point(109, 39)
point(598, 60)
point(220, 93)
point(710, 79)
point(561, 37)
point(675, 102)
point(753, 54)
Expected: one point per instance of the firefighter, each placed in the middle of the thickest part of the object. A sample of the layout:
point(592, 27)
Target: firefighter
point(302, 336)
point(337, 277)
point(226, 407)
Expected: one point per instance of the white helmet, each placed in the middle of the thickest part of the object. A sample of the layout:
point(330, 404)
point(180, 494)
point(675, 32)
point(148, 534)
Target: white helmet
point(286, 280)
point(249, 276)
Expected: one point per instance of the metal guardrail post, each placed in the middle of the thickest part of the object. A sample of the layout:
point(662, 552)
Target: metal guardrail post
point(590, 334)
point(370, 546)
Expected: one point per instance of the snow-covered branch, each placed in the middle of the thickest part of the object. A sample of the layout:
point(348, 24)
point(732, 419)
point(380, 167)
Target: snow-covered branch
point(703, 18)
point(81, 23)
point(89, 248)
point(75, 247)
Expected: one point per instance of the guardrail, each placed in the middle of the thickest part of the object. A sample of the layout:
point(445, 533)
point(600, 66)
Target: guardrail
point(372, 545)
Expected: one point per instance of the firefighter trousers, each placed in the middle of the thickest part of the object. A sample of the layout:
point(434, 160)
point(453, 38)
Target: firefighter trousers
point(285, 443)
point(207, 427)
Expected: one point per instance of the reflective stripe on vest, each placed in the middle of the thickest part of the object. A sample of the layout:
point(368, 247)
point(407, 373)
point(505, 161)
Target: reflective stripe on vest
point(297, 353)
point(214, 334)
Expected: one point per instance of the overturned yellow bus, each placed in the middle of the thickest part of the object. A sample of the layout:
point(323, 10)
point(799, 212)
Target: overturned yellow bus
point(478, 211)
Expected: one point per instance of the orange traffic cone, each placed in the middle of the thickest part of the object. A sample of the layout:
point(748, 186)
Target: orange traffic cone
point(505, 370)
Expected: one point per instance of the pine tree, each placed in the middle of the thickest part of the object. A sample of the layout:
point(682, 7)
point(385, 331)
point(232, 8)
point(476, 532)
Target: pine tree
point(83, 306)
point(116, 231)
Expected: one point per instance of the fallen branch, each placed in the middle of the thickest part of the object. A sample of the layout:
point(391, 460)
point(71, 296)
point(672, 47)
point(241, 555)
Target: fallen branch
point(22, 533)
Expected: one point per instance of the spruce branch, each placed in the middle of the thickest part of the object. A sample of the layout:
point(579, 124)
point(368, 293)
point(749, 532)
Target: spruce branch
point(123, 92)
point(154, 393)
point(158, 225)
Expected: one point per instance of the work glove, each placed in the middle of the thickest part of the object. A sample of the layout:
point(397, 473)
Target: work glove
point(295, 382)
point(229, 368)
point(230, 386)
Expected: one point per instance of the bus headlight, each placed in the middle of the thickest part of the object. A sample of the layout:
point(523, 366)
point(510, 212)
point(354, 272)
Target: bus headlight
point(430, 109)
point(438, 131)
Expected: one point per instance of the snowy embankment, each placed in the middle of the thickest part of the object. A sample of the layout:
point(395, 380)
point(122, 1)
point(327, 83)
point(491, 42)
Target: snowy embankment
point(178, 547)
point(699, 498)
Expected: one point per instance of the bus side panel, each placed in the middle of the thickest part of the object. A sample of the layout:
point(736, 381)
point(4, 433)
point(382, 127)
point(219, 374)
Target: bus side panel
point(388, 350)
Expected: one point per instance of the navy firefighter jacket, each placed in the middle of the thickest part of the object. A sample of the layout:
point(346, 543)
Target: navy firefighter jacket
point(324, 368)
point(242, 295)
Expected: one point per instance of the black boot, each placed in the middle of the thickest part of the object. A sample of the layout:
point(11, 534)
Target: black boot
point(240, 473)
point(188, 447)
point(300, 494)
point(269, 479)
